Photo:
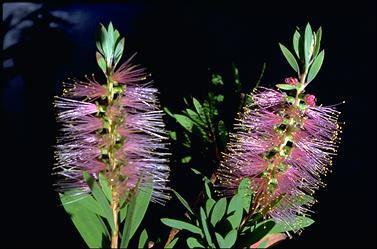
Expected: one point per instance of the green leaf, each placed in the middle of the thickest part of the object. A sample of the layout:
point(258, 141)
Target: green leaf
point(308, 43)
point(290, 58)
point(317, 42)
point(186, 159)
point(199, 109)
point(220, 240)
point(105, 43)
point(172, 243)
point(235, 206)
point(199, 131)
point(193, 243)
point(196, 172)
point(220, 98)
point(123, 212)
point(143, 239)
point(316, 66)
point(105, 187)
point(285, 86)
point(299, 223)
point(110, 33)
point(173, 135)
point(116, 37)
point(263, 244)
point(194, 116)
point(203, 219)
point(119, 51)
point(209, 205)
point(296, 43)
point(230, 239)
point(291, 100)
point(207, 187)
point(86, 201)
point(101, 198)
point(101, 62)
point(218, 211)
point(217, 79)
point(89, 225)
point(245, 191)
point(183, 201)
point(169, 112)
point(182, 225)
point(186, 122)
point(98, 44)
point(254, 235)
point(135, 212)
point(269, 240)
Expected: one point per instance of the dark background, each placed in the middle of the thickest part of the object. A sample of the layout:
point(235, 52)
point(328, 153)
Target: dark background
point(178, 43)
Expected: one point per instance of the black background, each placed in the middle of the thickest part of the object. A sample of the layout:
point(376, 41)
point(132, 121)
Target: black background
point(178, 43)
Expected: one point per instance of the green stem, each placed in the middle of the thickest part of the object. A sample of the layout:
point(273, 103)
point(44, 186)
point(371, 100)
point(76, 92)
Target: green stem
point(113, 166)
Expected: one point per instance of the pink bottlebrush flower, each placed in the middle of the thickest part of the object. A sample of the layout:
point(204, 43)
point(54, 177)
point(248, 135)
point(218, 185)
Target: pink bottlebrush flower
point(283, 147)
point(70, 109)
point(128, 73)
point(265, 97)
point(90, 89)
point(122, 135)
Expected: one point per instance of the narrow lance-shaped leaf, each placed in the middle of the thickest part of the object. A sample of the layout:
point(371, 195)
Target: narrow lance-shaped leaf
point(183, 201)
point(218, 211)
point(308, 44)
point(207, 187)
point(186, 122)
point(100, 197)
point(318, 42)
point(230, 239)
point(235, 206)
point(285, 87)
point(290, 58)
point(209, 205)
point(89, 225)
point(119, 51)
point(203, 218)
point(199, 109)
point(220, 240)
point(195, 117)
point(245, 191)
point(101, 62)
point(143, 239)
point(135, 213)
point(296, 43)
point(123, 211)
point(85, 200)
point(316, 66)
point(193, 243)
point(105, 187)
point(182, 225)
point(172, 243)
point(261, 230)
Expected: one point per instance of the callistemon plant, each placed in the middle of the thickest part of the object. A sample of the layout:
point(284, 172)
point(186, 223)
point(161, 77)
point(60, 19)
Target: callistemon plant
point(284, 140)
point(111, 154)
